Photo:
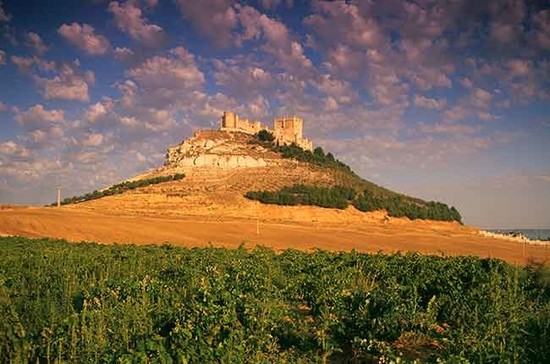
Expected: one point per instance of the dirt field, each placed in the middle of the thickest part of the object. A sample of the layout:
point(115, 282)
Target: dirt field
point(331, 233)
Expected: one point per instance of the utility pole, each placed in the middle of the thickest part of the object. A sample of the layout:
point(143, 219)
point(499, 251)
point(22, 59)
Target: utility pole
point(58, 195)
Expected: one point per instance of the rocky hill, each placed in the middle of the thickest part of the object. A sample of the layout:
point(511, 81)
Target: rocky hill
point(221, 167)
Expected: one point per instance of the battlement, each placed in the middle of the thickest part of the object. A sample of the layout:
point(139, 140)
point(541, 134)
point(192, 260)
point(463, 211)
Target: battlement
point(286, 130)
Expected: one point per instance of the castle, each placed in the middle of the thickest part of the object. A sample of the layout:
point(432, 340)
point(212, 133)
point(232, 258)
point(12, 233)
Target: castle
point(286, 130)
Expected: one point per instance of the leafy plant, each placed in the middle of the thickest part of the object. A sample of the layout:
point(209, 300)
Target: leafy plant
point(85, 302)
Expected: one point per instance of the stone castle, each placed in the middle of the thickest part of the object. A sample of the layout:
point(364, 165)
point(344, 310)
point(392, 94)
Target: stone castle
point(286, 130)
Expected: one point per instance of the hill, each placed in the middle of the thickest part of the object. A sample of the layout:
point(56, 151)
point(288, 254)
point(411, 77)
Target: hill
point(225, 170)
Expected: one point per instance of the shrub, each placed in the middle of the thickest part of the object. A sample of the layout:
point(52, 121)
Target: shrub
point(121, 188)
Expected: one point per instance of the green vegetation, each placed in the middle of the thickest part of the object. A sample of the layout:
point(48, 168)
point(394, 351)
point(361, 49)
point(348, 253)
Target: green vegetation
point(333, 197)
point(340, 197)
point(398, 206)
point(265, 136)
point(121, 188)
point(372, 198)
point(293, 151)
point(84, 303)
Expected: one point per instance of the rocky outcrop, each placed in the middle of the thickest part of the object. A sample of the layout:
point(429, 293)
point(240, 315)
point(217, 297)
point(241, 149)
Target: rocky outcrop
point(221, 161)
point(215, 149)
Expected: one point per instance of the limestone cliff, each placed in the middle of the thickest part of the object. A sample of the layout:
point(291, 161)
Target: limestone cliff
point(224, 150)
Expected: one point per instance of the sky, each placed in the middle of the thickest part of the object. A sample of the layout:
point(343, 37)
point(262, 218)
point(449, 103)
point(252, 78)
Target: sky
point(442, 100)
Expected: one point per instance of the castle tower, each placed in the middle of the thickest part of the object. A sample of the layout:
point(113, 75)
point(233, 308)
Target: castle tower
point(229, 120)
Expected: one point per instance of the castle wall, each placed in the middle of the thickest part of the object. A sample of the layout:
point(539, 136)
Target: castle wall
point(287, 130)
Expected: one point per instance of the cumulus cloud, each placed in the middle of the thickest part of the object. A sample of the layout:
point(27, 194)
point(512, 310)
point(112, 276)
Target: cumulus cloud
point(387, 89)
point(84, 37)
point(216, 19)
point(541, 34)
point(123, 53)
point(448, 128)
point(481, 98)
point(429, 103)
point(343, 23)
point(12, 148)
point(519, 67)
point(508, 16)
point(38, 117)
point(92, 140)
point(455, 113)
point(68, 84)
point(24, 64)
point(486, 116)
point(98, 110)
point(35, 43)
point(4, 17)
point(278, 43)
point(175, 71)
point(240, 77)
point(129, 19)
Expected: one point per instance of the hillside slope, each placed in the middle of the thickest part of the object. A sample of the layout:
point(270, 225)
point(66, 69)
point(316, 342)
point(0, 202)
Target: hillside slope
point(221, 167)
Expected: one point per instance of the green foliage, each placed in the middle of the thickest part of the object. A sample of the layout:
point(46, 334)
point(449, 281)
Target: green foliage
point(399, 206)
point(83, 303)
point(340, 197)
point(334, 197)
point(317, 157)
point(265, 136)
point(121, 188)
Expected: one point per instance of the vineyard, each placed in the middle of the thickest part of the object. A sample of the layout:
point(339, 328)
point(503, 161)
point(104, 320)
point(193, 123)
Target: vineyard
point(85, 302)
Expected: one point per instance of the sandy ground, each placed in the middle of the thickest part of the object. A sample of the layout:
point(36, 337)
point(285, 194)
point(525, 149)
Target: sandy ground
point(369, 235)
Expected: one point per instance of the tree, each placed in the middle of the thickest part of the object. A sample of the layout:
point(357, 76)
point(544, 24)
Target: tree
point(265, 136)
point(319, 152)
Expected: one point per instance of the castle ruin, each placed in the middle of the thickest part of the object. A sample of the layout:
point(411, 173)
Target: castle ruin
point(286, 130)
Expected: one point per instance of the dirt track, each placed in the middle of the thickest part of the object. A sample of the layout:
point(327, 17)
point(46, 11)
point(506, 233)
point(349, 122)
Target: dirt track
point(397, 235)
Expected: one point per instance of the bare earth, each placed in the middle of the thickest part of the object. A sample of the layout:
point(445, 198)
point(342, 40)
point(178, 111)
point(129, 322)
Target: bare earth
point(326, 229)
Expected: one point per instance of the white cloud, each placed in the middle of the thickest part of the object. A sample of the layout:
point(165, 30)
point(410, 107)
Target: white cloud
point(481, 98)
point(486, 116)
point(448, 128)
point(4, 17)
point(343, 23)
point(429, 103)
point(37, 117)
point(92, 140)
point(98, 110)
point(130, 20)
point(518, 67)
point(67, 85)
point(288, 53)
point(216, 19)
point(12, 148)
point(541, 34)
point(24, 64)
point(457, 112)
point(35, 43)
point(123, 53)
point(174, 72)
point(83, 37)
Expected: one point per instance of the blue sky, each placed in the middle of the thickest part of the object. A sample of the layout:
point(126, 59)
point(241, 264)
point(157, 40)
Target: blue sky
point(444, 100)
